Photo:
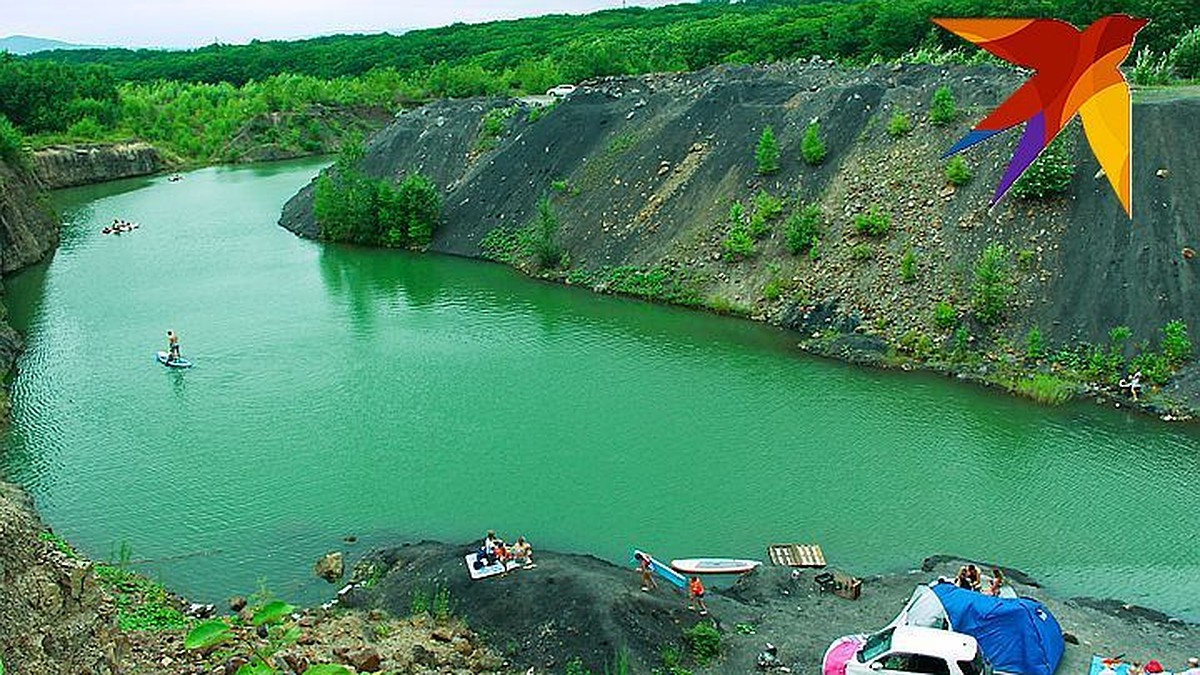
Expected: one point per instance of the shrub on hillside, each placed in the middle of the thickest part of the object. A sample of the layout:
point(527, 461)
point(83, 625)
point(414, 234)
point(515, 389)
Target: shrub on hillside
point(352, 207)
point(1151, 68)
point(1035, 346)
point(908, 266)
point(1185, 56)
point(812, 148)
point(767, 154)
point(874, 223)
point(1175, 344)
point(993, 284)
point(739, 243)
point(1049, 174)
point(704, 641)
point(957, 171)
point(541, 237)
point(899, 125)
point(944, 315)
point(12, 143)
point(803, 228)
point(943, 110)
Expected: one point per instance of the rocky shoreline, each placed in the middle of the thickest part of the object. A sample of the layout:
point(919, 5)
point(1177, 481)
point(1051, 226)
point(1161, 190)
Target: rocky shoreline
point(579, 607)
point(413, 608)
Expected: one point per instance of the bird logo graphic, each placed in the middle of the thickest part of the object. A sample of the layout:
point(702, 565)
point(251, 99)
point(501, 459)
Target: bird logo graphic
point(1076, 72)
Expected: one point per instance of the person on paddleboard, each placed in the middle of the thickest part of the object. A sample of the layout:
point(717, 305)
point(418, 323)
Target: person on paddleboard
point(172, 347)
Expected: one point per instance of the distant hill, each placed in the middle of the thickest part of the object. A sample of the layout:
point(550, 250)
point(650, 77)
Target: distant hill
point(23, 44)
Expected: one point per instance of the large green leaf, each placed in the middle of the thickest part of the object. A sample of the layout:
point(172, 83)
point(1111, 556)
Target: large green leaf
point(327, 669)
point(256, 668)
point(273, 612)
point(207, 634)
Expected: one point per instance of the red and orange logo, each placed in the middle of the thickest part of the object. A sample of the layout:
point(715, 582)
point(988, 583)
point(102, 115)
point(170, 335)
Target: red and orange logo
point(1077, 72)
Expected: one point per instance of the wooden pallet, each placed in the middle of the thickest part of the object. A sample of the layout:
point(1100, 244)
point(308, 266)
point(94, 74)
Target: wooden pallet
point(797, 555)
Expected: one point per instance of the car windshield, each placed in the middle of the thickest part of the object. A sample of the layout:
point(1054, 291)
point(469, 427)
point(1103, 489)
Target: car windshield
point(875, 645)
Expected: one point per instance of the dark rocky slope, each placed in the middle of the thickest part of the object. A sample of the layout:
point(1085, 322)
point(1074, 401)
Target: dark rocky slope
point(653, 163)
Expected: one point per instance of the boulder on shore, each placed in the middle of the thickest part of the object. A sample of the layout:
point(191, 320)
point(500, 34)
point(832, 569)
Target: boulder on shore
point(331, 567)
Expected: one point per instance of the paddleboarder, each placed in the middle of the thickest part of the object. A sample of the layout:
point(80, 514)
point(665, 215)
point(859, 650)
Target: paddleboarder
point(172, 346)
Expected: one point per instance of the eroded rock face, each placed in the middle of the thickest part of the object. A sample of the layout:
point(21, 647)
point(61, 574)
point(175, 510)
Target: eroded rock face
point(28, 227)
point(66, 166)
point(54, 617)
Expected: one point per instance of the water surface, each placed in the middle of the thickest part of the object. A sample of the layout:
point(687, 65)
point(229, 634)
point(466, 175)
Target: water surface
point(388, 395)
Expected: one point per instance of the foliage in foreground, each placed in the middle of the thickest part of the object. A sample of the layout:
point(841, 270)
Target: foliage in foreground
point(275, 630)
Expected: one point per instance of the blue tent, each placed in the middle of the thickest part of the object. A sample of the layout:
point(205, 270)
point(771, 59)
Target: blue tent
point(1018, 635)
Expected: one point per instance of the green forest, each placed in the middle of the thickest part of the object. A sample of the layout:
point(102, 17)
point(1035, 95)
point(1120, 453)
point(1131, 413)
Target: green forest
point(192, 103)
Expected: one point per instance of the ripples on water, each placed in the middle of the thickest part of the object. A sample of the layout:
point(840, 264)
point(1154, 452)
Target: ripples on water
point(347, 391)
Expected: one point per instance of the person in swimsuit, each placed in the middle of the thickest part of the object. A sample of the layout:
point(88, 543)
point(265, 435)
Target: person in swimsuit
point(172, 347)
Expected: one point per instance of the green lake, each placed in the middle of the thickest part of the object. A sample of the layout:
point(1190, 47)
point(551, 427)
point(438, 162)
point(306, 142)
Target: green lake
point(393, 396)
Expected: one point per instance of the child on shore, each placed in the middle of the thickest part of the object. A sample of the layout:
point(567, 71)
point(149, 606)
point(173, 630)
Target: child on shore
point(696, 595)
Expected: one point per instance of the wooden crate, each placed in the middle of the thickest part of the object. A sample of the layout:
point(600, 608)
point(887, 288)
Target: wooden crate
point(840, 584)
point(797, 555)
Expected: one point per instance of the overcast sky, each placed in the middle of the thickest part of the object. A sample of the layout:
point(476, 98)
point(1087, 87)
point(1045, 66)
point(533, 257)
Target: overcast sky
point(191, 23)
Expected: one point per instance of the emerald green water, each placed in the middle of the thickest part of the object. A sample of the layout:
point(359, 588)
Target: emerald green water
point(394, 396)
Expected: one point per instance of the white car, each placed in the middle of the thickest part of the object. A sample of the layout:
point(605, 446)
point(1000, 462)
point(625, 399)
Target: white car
point(561, 91)
point(904, 650)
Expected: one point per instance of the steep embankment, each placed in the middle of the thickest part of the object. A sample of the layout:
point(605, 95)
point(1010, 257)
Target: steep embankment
point(643, 171)
point(53, 616)
point(28, 231)
point(68, 166)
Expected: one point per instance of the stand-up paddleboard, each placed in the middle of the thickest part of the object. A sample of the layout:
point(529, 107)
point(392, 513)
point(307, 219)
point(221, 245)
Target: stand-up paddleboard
point(714, 565)
point(177, 363)
point(481, 570)
point(676, 579)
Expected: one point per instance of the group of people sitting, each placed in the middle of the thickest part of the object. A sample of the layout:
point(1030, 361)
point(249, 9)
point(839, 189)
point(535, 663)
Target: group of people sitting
point(1152, 667)
point(969, 578)
point(118, 226)
point(494, 551)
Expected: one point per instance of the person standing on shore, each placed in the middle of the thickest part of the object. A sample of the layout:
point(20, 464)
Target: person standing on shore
point(696, 595)
point(1193, 667)
point(647, 572)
